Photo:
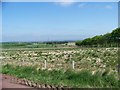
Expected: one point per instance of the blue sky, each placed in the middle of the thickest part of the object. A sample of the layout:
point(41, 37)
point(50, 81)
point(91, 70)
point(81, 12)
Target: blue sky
point(42, 21)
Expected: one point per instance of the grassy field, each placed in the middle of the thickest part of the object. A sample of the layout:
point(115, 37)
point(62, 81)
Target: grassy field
point(93, 67)
point(65, 78)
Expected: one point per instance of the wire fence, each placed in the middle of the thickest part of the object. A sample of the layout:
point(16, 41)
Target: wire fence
point(57, 65)
point(64, 59)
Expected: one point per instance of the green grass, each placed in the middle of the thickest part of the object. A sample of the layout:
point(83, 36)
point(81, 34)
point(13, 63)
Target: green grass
point(16, 45)
point(67, 78)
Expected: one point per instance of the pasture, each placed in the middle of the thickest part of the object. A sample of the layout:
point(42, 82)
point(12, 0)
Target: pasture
point(70, 67)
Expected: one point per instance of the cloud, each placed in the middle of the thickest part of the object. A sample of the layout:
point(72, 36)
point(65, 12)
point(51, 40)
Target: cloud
point(108, 7)
point(82, 5)
point(65, 2)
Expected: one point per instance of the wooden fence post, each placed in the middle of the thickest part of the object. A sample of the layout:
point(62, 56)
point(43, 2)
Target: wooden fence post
point(45, 64)
point(73, 64)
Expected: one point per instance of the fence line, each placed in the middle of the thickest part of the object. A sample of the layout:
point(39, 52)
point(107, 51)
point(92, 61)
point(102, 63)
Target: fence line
point(45, 64)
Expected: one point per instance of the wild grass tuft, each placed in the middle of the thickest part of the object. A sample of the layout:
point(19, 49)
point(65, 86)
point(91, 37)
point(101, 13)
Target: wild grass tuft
point(68, 78)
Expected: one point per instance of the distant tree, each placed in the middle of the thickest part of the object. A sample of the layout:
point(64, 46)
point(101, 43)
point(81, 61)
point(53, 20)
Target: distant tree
point(78, 43)
point(87, 41)
point(106, 39)
point(115, 35)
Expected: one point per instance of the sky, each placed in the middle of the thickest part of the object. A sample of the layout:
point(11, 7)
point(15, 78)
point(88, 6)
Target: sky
point(0, 22)
point(51, 21)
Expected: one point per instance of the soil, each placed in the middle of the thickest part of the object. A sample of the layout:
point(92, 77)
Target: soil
point(7, 81)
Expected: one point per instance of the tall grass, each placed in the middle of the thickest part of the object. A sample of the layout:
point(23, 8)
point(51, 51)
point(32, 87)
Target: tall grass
point(67, 78)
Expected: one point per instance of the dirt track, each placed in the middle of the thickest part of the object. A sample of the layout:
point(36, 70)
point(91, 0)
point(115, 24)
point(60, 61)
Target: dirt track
point(6, 82)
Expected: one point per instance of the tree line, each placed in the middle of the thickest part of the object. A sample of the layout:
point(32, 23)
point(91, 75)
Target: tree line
point(108, 39)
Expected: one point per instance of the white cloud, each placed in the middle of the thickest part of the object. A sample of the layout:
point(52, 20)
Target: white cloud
point(82, 5)
point(65, 2)
point(108, 7)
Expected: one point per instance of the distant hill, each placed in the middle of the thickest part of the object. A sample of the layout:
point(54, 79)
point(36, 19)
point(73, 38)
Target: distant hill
point(108, 39)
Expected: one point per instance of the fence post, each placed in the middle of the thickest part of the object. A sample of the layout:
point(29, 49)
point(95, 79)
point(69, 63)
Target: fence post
point(45, 64)
point(23, 62)
point(73, 64)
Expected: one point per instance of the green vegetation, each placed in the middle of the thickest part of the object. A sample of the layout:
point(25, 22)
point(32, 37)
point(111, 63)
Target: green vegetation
point(67, 78)
point(109, 39)
point(92, 59)
point(25, 45)
point(50, 44)
point(94, 67)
